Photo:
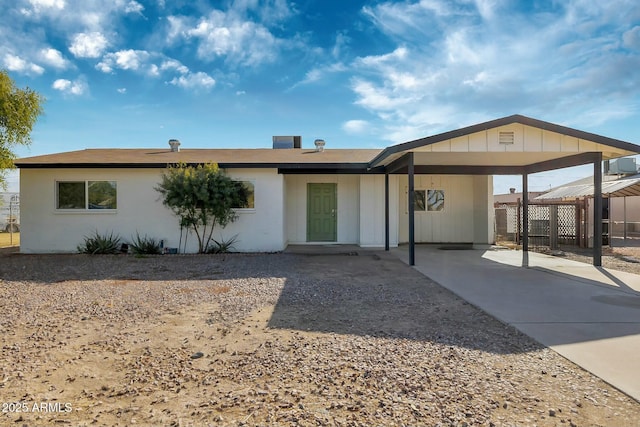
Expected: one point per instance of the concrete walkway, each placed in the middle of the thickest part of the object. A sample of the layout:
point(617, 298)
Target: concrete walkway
point(590, 315)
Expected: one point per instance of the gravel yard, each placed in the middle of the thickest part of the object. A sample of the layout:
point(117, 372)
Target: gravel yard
point(271, 340)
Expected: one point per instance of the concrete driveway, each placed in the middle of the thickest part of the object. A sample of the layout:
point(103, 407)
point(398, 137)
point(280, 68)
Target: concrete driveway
point(590, 315)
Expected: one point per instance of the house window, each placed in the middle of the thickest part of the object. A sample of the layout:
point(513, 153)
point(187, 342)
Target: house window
point(435, 200)
point(250, 186)
point(71, 195)
point(419, 200)
point(86, 195)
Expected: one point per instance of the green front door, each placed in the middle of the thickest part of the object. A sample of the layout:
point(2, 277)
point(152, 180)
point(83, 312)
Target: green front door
point(321, 213)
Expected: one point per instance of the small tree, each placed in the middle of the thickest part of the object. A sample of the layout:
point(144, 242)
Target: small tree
point(19, 110)
point(202, 196)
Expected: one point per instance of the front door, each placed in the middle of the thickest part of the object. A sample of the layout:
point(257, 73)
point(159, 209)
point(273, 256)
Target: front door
point(321, 212)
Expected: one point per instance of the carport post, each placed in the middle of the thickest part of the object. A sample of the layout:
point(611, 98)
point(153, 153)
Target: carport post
point(597, 210)
point(412, 243)
point(525, 212)
point(386, 210)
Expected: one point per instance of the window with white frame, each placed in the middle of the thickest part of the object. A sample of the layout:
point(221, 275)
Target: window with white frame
point(419, 200)
point(435, 200)
point(250, 186)
point(86, 195)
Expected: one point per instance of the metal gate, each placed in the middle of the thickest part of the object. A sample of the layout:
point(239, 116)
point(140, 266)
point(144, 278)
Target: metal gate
point(549, 225)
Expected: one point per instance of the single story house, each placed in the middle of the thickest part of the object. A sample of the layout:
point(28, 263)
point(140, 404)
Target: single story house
point(437, 189)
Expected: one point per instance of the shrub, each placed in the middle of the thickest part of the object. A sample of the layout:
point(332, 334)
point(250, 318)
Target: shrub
point(100, 244)
point(145, 245)
point(222, 246)
point(202, 197)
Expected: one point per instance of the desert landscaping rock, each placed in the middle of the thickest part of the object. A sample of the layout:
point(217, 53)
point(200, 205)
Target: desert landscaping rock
point(281, 340)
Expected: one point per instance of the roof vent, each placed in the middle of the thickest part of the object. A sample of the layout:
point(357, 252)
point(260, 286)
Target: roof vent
point(319, 143)
point(280, 142)
point(175, 145)
point(506, 138)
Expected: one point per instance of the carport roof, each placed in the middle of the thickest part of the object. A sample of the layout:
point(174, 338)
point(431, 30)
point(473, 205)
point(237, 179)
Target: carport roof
point(619, 188)
point(481, 148)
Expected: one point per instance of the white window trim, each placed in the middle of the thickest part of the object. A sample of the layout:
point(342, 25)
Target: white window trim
point(247, 210)
point(86, 210)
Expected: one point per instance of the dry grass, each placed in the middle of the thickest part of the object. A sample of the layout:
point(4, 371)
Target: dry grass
point(6, 240)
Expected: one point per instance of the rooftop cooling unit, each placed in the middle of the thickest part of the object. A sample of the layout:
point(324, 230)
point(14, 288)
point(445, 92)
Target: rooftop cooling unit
point(280, 142)
point(623, 166)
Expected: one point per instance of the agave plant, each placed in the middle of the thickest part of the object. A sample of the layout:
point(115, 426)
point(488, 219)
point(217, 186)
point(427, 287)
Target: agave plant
point(108, 243)
point(145, 245)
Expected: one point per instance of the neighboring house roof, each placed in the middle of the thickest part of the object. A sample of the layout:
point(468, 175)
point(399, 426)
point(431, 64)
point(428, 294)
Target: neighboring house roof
point(236, 158)
point(514, 197)
point(618, 188)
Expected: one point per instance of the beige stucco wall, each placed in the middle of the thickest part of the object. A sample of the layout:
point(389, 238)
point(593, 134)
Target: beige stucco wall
point(348, 206)
point(44, 229)
point(466, 218)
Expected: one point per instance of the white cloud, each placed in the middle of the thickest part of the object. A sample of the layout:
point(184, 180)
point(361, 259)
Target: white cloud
point(39, 5)
point(356, 127)
point(241, 42)
point(194, 81)
point(124, 59)
point(173, 64)
point(88, 45)
point(133, 7)
point(454, 65)
point(122, 90)
point(19, 65)
point(228, 36)
point(54, 58)
point(77, 87)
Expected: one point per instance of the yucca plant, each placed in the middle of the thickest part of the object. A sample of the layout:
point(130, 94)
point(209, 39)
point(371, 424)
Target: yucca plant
point(222, 246)
point(145, 245)
point(108, 243)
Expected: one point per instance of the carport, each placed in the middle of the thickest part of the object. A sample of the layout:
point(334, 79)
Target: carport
point(626, 187)
point(513, 145)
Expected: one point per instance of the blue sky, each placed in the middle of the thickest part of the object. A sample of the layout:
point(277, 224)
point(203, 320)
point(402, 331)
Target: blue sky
point(127, 73)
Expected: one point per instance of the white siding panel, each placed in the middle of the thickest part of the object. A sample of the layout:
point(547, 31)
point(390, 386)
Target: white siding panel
point(587, 145)
point(478, 141)
point(372, 210)
point(551, 141)
point(570, 143)
point(442, 147)
point(453, 224)
point(532, 139)
point(460, 144)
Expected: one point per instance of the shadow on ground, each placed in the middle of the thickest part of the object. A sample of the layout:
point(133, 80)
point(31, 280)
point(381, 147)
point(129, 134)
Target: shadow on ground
point(364, 293)
point(375, 294)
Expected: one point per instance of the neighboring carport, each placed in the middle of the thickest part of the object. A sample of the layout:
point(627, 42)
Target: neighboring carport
point(514, 145)
point(627, 187)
